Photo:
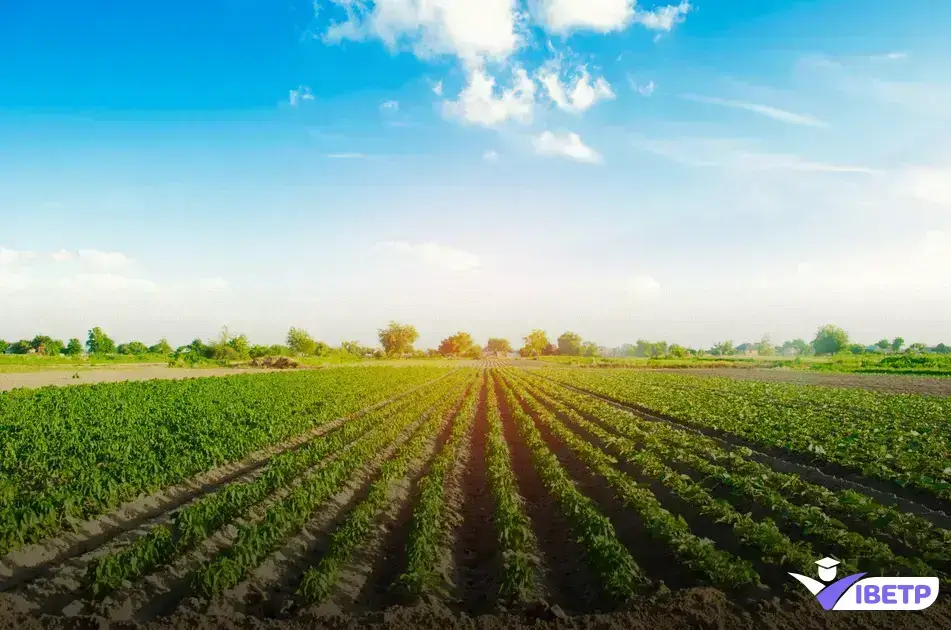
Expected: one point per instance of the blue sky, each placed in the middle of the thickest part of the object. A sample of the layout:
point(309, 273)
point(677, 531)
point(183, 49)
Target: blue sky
point(695, 171)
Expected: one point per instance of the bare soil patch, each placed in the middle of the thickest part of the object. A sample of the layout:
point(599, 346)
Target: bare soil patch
point(84, 376)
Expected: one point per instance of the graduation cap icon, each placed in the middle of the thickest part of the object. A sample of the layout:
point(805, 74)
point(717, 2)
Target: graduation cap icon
point(827, 568)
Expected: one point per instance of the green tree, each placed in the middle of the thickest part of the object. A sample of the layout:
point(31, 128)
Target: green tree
point(397, 339)
point(99, 342)
point(830, 339)
point(897, 343)
point(3, 346)
point(354, 348)
point(133, 347)
point(856, 348)
point(765, 347)
point(300, 341)
point(459, 344)
point(20, 347)
point(74, 348)
point(917, 348)
point(498, 345)
point(240, 345)
point(658, 349)
point(536, 343)
point(569, 344)
point(590, 349)
point(46, 345)
point(723, 349)
point(884, 344)
point(162, 347)
point(942, 349)
point(678, 351)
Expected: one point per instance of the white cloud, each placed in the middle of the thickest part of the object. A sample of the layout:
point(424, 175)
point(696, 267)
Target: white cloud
point(739, 155)
point(641, 283)
point(580, 96)
point(479, 104)
point(62, 256)
point(645, 89)
point(390, 106)
point(437, 88)
point(12, 257)
point(213, 284)
point(928, 183)
point(562, 16)
point(104, 260)
point(472, 31)
point(596, 15)
point(107, 282)
point(568, 145)
point(490, 156)
point(302, 93)
point(775, 113)
point(663, 18)
point(890, 56)
point(435, 255)
point(346, 156)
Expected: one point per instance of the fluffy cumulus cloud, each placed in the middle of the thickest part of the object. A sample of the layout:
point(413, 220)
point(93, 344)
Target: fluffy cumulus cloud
point(562, 16)
point(471, 30)
point(434, 255)
point(481, 103)
point(567, 145)
point(577, 96)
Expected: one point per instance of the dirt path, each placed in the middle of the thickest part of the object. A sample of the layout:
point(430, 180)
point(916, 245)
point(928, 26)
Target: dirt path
point(82, 376)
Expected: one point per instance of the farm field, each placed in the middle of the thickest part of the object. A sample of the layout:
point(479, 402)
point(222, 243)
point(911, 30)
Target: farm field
point(586, 498)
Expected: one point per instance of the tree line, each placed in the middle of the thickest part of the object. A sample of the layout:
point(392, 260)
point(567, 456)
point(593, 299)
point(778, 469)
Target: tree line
point(397, 341)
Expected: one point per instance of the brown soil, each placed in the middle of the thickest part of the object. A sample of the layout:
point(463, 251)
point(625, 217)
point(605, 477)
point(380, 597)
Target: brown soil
point(694, 608)
point(568, 579)
point(83, 376)
point(477, 557)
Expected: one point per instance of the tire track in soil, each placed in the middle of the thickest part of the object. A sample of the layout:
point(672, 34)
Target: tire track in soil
point(568, 580)
point(828, 474)
point(475, 550)
point(43, 559)
point(702, 525)
point(391, 559)
point(656, 559)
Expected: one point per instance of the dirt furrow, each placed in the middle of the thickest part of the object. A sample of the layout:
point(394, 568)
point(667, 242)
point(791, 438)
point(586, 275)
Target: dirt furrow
point(476, 554)
point(830, 475)
point(568, 580)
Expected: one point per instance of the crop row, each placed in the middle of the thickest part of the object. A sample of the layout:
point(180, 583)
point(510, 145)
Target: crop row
point(200, 519)
point(320, 580)
point(609, 559)
point(887, 521)
point(896, 437)
point(650, 444)
point(429, 531)
point(255, 541)
point(521, 570)
point(719, 567)
point(75, 452)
